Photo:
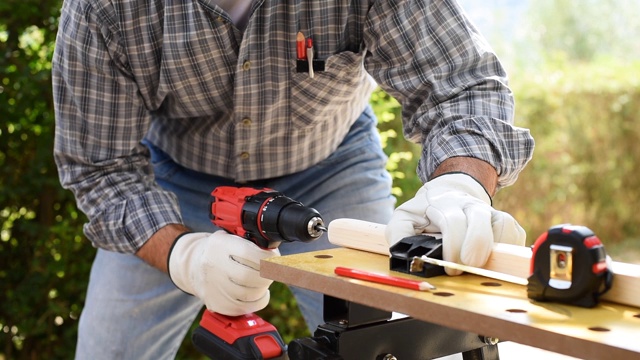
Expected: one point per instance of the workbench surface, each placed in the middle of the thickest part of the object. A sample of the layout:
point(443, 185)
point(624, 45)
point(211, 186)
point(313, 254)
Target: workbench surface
point(470, 303)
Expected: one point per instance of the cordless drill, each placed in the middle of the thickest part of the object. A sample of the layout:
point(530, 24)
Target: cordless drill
point(264, 216)
point(267, 218)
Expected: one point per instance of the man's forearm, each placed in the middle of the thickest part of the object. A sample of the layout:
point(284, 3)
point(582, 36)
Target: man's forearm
point(478, 169)
point(156, 250)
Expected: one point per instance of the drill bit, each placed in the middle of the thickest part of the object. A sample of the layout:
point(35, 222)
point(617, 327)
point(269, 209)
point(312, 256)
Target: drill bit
point(316, 227)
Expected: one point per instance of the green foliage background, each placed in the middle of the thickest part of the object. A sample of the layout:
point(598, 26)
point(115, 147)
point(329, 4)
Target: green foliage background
point(580, 97)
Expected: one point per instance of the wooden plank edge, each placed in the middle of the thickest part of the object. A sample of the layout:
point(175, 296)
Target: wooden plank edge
point(509, 259)
point(373, 295)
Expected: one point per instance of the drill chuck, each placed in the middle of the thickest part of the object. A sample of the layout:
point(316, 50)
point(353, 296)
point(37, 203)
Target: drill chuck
point(264, 216)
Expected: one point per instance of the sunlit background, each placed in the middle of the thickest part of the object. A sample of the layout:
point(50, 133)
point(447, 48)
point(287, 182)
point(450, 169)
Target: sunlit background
point(575, 71)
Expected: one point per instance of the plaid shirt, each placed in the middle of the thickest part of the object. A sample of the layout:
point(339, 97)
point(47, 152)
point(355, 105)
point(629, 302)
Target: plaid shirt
point(231, 103)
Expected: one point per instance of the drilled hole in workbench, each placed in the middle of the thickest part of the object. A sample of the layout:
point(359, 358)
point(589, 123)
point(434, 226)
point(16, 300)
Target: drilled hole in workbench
point(516, 311)
point(442, 293)
point(323, 256)
point(490, 283)
point(598, 328)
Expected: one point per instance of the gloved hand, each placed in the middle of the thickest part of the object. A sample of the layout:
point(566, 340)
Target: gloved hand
point(221, 269)
point(459, 208)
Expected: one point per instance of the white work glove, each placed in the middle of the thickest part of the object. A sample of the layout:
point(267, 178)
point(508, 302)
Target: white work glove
point(459, 208)
point(222, 270)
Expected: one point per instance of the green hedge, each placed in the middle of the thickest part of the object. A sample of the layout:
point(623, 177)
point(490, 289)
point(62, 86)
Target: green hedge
point(585, 120)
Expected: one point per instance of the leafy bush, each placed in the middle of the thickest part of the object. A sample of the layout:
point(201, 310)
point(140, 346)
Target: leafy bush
point(584, 117)
point(584, 170)
point(45, 261)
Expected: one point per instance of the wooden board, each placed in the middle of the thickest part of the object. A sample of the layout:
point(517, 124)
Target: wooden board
point(505, 258)
point(470, 303)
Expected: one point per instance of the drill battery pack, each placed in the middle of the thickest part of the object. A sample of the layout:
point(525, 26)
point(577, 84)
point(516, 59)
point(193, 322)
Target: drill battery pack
point(237, 338)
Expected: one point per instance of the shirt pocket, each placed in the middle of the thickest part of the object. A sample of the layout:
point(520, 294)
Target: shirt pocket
point(330, 93)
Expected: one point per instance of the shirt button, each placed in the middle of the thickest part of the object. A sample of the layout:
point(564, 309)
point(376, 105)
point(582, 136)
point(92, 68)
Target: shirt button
point(246, 65)
point(246, 122)
point(244, 155)
point(220, 19)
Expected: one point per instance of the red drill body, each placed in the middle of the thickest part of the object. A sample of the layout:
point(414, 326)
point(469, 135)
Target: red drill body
point(264, 216)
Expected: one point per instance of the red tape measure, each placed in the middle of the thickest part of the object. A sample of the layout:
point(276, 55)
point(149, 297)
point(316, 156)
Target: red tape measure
point(569, 265)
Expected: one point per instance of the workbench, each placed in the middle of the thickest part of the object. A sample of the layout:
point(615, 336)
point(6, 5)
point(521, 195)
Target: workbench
point(469, 303)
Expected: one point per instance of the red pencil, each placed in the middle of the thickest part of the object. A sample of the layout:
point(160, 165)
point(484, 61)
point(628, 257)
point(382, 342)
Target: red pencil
point(384, 279)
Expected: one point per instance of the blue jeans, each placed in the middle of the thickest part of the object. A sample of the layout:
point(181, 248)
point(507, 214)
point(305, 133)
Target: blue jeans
point(133, 311)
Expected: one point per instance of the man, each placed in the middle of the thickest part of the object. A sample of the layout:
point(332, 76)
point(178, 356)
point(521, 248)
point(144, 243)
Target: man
point(159, 102)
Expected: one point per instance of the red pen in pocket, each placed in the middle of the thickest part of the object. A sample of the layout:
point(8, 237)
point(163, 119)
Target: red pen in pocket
point(301, 46)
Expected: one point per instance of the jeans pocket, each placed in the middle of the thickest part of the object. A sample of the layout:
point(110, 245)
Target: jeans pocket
point(362, 141)
point(163, 165)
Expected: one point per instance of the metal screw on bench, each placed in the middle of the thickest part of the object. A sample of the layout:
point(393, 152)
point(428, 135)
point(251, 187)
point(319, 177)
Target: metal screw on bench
point(490, 340)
